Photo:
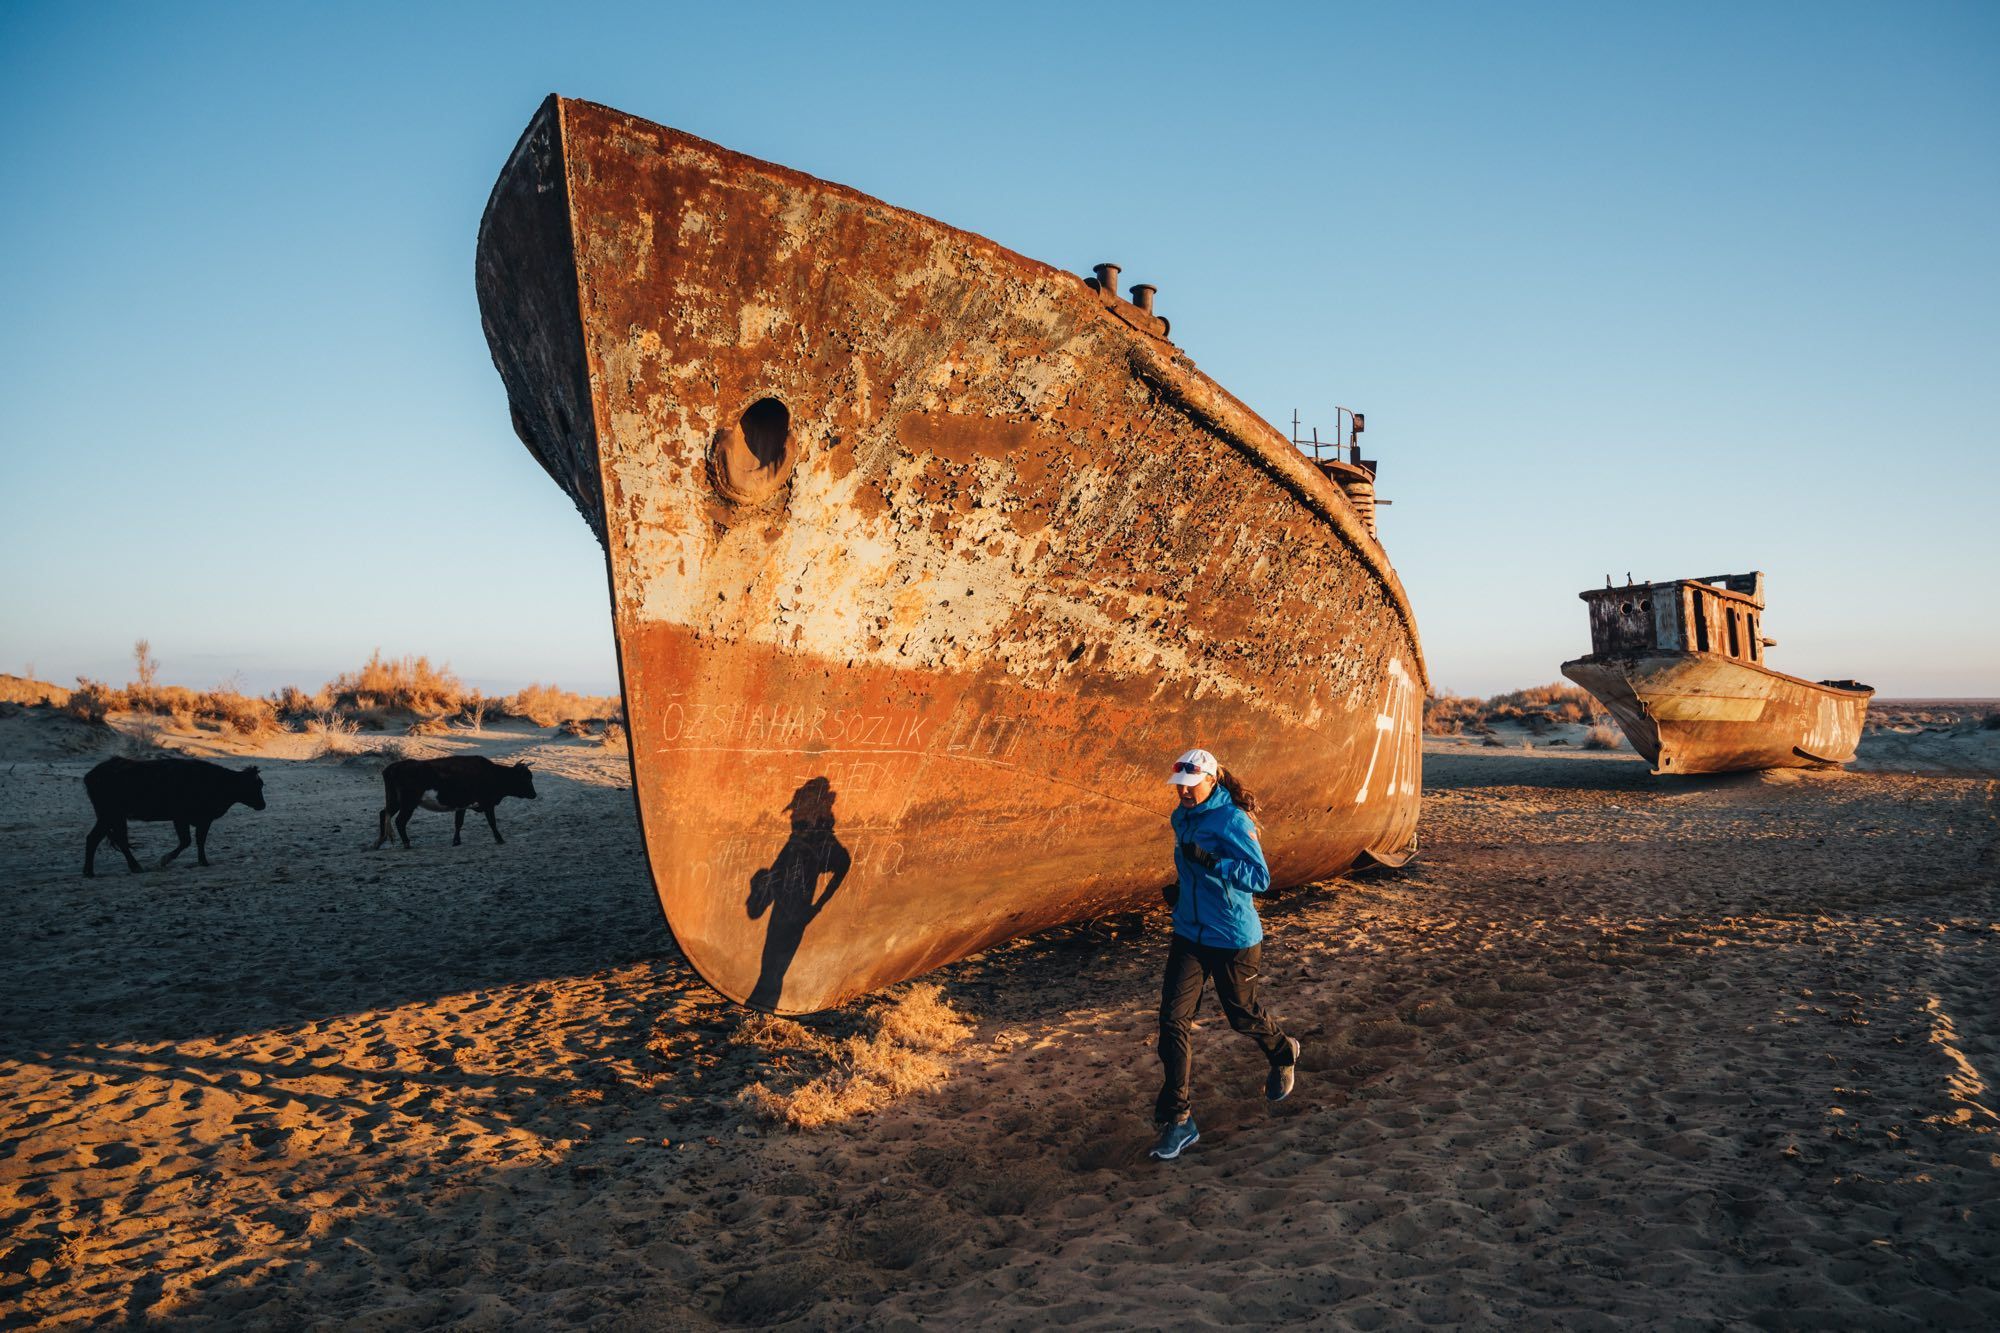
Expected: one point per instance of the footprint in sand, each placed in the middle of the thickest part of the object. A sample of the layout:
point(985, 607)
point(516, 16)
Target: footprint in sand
point(110, 1155)
point(1382, 1033)
point(1433, 1013)
point(1487, 997)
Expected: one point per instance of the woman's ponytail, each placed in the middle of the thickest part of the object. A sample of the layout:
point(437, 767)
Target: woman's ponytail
point(1246, 800)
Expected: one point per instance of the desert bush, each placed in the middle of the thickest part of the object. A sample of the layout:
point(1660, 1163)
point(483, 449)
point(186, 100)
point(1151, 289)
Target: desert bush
point(546, 706)
point(1448, 714)
point(408, 683)
point(1602, 738)
point(1537, 708)
point(27, 690)
point(294, 705)
point(614, 735)
point(92, 700)
point(242, 713)
point(899, 1057)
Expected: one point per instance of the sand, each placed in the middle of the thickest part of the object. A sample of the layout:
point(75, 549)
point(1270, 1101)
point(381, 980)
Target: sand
point(1614, 1052)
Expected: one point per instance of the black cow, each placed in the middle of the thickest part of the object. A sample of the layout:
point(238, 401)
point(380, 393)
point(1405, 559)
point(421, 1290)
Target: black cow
point(460, 780)
point(192, 793)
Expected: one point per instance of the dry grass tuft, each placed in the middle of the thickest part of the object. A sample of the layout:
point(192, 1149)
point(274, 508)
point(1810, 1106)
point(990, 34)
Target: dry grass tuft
point(614, 735)
point(769, 1032)
point(900, 1057)
point(1602, 738)
point(334, 732)
point(923, 1020)
point(150, 731)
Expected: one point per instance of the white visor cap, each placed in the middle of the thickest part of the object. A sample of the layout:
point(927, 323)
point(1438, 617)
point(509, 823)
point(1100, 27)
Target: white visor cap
point(1192, 767)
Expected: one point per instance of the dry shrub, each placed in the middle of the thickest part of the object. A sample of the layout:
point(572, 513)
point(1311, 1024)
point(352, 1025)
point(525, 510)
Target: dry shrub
point(409, 683)
point(92, 700)
point(27, 690)
point(1537, 708)
point(240, 712)
point(614, 735)
point(900, 1057)
point(427, 726)
point(1602, 738)
point(1448, 714)
point(545, 705)
point(294, 705)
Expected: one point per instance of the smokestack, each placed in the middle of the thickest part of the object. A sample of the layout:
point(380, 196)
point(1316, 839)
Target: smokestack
point(1107, 278)
point(1142, 295)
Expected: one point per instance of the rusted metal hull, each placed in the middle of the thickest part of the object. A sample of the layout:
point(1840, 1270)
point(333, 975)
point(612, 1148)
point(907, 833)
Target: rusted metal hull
point(925, 559)
point(1691, 712)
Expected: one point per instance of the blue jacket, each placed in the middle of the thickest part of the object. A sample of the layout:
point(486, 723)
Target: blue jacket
point(1215, 906)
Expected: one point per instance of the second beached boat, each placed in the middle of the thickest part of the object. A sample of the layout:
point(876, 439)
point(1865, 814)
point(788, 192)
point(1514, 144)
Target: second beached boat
point(1680, 666)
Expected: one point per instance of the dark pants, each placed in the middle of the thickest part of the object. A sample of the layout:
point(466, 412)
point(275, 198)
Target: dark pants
point(1235, 973)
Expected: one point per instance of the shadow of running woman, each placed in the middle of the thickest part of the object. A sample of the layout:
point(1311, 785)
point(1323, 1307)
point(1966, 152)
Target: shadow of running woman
point(788, 888)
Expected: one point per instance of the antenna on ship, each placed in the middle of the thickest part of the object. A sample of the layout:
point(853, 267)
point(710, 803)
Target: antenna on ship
point(1345, 468)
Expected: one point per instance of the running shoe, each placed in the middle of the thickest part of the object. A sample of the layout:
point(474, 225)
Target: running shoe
point(1176, 1139)
point(1279, 1085)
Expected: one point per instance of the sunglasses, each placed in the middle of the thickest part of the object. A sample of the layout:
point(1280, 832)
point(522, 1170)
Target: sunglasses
point(1188, 768)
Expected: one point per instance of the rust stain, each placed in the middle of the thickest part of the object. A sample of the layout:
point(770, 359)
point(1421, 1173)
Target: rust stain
point(924, 558)
point(1680, 666)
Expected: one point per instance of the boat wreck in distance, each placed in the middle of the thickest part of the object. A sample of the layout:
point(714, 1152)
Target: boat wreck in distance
point(1680, 665)
point(925, 560)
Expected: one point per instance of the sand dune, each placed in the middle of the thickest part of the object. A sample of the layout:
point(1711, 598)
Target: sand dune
point(1615, 1051)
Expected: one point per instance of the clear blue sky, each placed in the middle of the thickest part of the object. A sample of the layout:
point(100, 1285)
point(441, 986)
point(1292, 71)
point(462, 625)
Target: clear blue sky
point(1675, 289)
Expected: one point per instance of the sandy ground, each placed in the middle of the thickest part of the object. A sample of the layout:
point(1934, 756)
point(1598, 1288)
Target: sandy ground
point(1614, 1052)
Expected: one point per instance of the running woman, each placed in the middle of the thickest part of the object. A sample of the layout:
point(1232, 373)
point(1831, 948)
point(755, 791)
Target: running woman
point(1217, 937)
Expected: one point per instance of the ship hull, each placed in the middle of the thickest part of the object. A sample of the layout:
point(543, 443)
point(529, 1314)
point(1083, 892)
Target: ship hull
point(925, 560)
point(1690, 712)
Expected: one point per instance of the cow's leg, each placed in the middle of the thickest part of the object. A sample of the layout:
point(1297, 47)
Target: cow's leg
point(121, 838)
point(403, 814)
point(388, 808)
point(493, 823)
point(181, 832)
point(458, 826)
point(201, 842)
point(97, 832)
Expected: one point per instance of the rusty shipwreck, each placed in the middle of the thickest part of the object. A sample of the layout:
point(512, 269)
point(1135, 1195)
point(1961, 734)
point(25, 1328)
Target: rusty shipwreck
point(925, 560)
point(1680, 665)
